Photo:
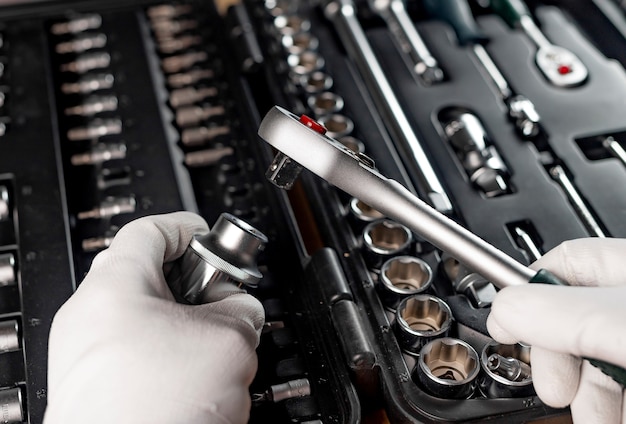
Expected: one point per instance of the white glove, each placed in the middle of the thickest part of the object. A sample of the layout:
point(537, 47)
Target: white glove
point(563, 324)
point(123, 351)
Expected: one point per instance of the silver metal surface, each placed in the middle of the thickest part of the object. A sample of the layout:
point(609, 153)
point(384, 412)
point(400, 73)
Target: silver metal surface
point(109, 207)
point(82, 43)
point(207, 157)
point(288, 390)
point(448, 368)
point(168, 11)
point(5, 203)
point(558, 174)
point(526, 242)
point(77, 24)
point(95, 129)
point(325, 103)
point(408, 39)
point(88, 84)
point(188, 95)
point(194, 115)
point(94, 105)
point(506, 371)
point(615, 148)
point(337, 124)
point(189, 77)
point(11, 405)
point(100, 153)
point(9, 335)
point(315, 82)
point(346, 170)
point(181, 62)
point(383, 239)
point(227, 253)
point(8, 275)
point(343, 14)
point(87, 62)
point(198, 136)
point(419, 319)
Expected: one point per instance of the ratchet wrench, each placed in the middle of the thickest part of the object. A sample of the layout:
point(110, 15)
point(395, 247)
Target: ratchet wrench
point(303, 140)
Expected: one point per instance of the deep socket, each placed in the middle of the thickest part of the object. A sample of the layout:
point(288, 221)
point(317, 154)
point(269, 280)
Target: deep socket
point(87, 62)
point(401, 277)
point(506, 371)
point(7, 269)
point(362, 212)
point(89, 84)
point(11, 404)
point(420, 319)
point(82, 44)
point(448, 368)
point(226, 254)
point(9, 335)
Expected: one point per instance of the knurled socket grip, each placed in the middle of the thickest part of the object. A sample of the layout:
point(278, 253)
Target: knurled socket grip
point(227, 253)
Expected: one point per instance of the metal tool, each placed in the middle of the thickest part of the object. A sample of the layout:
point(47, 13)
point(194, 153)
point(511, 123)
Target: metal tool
point(8, 276)
point(279, 392)
point(526, 242)
point(199, 135)
point(87, 62)
point(189, 77)
point(95, 129)
point(355, 174)
point(615, 148)
point(94, 105)
point(110, 207)
point(227, 253)
point(580, 207)
point(88, 84)
point(167, 28)
point(77, 24)
point(177, 63)
point(420, 318)
point(459, 15)
point(100, 153)
point(511, 368)
point(11, 404)
point(189, 95)
point(174, 45)
point(507, 371)
point(9, 335)
point(5, 203)
point(82, 43)
point(343, 14)
point(401, 277)
point(207, 157)
point(403, 30)
point(194, 115)
point(560, 66)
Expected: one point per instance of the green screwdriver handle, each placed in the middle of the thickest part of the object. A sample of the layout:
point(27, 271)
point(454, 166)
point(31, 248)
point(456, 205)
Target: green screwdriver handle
point(459, 15)
point(618, 374)
point(510, 10)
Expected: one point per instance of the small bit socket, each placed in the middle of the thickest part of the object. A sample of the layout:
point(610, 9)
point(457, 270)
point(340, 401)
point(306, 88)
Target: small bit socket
point(100, 153)
point(87, 62)
point(82, 43)
point(194, 115)
point(200, 135)
point(173, 45)
point(189, 95)
point(168, 11)
point(279, 392)
point(88, 84)
point(507, 371)
point(109, 207)
point(98, 128)
point(93, 105)
point(190, 77)
point(77, 24)
point(510, 368)
point(207, 157)
point(169, 28)
point(180, 62)
point(95, 244)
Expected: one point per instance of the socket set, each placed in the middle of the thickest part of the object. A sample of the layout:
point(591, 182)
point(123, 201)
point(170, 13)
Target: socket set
point(509, 123)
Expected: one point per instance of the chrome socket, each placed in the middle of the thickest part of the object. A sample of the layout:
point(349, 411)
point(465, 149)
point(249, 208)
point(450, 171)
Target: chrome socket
point(383, 239)
point(475, 287)
point(419, 319)
point(315, 82)
point(305, 63)
point(9, 336)
point(12, 407)
point(5, 205)
point(447, 368)
point(325, 103)
point(506, 371)
point(227, 253)
point(7, 269)
point(299, 42)
point(338, 125)
point(363, 213)
point(401, 277)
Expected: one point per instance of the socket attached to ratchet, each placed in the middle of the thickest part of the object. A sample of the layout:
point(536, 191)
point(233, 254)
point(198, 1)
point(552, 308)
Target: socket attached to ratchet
point(302, 142)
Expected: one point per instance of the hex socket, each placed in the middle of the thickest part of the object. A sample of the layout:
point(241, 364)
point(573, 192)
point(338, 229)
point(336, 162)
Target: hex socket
point(401, 277)
point(383, 239)
point(447, 368)
point(420, 319)
point(499, 384)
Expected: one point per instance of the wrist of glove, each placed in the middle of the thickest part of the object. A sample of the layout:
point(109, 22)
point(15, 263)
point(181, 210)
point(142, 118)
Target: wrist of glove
point(565, 324)
point(122, 350)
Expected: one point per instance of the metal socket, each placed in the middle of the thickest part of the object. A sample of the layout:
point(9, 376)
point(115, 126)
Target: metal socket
point(9, 336)
point(337, 125)
point(7, 269)
point(352, 143)
point(383, 239)
point(420, 319)
point(291, 24)
point(300, 41)
point(305, 63)
point(448, 368)
point(11, 404)
point(475, 287)
point(325, 103)
point(506, 371)
point(227, 253)
point(401, 277)
point(315, 82)
point(361, 212)
point(5, 205)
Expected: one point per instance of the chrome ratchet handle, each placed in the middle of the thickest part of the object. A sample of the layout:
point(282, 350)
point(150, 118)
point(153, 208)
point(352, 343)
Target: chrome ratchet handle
point(355, 174)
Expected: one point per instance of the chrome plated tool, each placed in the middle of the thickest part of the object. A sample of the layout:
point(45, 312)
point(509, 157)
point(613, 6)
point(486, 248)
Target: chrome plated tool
point(560, 66)
point(343, 14)
point(408, 39)
point(458, 14)
point(302, 143)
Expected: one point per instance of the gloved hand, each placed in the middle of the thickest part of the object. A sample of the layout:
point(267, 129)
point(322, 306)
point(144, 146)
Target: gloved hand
point(121, 350)
point(563, 324)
